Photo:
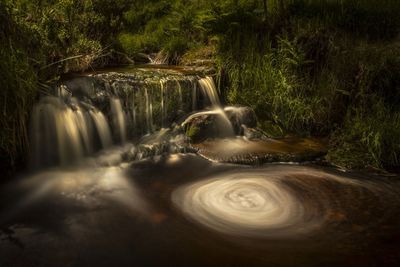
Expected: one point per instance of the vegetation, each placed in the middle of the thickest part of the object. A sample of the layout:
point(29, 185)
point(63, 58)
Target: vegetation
point(313, 67)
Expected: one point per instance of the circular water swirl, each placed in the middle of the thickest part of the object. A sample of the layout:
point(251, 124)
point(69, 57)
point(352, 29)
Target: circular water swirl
point(272, 202)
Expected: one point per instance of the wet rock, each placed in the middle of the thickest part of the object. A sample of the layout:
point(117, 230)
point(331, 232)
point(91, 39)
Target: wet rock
point(240, 116)
point(220, 123)
point(253, 133)
point(203, 127)
point(253, 152)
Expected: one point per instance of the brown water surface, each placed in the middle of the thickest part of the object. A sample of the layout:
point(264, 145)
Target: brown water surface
point(182, 210)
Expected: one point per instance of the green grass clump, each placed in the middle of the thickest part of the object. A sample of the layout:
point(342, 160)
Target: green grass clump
point(18, 91)
point(368, 138)
point(312, 69)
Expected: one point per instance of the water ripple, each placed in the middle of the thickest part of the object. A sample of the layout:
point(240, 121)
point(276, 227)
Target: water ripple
point(275, 202)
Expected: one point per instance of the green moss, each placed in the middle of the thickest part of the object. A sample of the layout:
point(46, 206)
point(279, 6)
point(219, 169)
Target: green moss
point(192, 131)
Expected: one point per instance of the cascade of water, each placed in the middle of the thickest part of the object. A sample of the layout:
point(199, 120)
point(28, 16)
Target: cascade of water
point(163, 102)
point(81, 122)
point(178, 84)
point(77, 122)
point(149, 110)
point(68, 137)
point(102, 128)
point(118, 117)
point(134, 120)
point(59, 133)
point(209, 89)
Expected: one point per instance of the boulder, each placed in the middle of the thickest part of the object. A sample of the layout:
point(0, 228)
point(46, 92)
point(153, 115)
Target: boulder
point(204, 126)
point(241, 116)
point(219, 123)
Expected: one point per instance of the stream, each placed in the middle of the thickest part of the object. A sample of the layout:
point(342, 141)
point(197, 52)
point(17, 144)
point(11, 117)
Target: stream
point(114, 180)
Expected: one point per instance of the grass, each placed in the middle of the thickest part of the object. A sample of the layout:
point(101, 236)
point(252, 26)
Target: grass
point(325, 69)
point(313, 67)
point(18, 91)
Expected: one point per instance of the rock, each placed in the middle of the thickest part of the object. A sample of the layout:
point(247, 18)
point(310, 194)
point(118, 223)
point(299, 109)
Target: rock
point(241, 116)
point(253, 133)
point(219, 124)
point(253, 152)
point(204, 126)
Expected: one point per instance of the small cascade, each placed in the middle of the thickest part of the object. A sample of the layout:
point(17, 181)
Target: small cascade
point(80, 120)
point(149, 111)
point(118, 116)
point(94, 112)
point(163, 102)
point(208, 88)
point(180, 96)
point(62, 131)
point(133, 111)
point(102, 129)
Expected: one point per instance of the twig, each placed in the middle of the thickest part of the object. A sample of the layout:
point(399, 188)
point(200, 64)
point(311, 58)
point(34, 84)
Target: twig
point(62, 60)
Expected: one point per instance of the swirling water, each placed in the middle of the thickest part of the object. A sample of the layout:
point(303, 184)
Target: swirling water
point(155, 202)
point(282, 202)
point(191, 212)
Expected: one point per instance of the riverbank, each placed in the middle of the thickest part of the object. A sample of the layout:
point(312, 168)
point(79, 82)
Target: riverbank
point(310, 68)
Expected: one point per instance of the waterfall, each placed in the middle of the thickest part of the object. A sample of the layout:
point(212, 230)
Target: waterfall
point(94, 112)
point(60, 133)
point(118, 116)
point(134, 120)
point(163, 102)
point(149, 111)
point(180, 96)
point(102, 128)
point(209, 89)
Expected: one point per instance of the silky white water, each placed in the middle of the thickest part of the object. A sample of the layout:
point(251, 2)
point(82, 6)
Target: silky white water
point(271, 202)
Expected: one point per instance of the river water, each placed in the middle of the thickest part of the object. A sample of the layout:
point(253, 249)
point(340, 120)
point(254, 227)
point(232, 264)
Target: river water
point(97, 196)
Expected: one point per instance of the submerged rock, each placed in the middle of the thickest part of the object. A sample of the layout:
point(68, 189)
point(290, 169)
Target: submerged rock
point(242, 151)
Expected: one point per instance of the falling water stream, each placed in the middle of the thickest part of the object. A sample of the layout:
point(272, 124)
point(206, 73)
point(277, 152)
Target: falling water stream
point(115, 182)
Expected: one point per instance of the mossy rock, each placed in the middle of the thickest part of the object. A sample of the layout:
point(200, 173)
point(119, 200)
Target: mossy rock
point(203, 127)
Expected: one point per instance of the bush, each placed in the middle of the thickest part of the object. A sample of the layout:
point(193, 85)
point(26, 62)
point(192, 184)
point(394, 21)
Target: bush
point(19, 87)
point(368, 138)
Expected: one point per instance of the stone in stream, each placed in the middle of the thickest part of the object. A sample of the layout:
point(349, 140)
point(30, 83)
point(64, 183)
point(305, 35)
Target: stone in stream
point(241, 116)
point(243, 151)
point(210, 124)
point(203, 127)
